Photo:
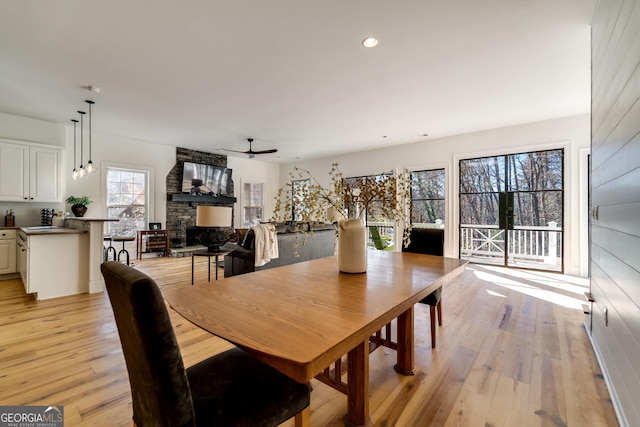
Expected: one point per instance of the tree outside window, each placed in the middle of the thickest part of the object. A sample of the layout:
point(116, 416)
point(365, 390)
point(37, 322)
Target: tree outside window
point(374, 215)
point(427, 197)
point(126, 200)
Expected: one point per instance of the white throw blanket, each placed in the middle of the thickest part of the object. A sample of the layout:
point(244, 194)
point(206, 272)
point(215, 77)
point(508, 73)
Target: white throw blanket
point(266, 243)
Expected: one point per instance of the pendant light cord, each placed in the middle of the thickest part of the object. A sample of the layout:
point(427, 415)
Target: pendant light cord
point(82, 113)
point(75, 122)
point(90, 104)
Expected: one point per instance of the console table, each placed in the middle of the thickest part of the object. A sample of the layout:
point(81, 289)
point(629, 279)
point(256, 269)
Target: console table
point(156, 241)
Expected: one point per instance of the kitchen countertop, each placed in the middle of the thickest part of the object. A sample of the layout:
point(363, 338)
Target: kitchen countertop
point(47, 229)
point(75, 218)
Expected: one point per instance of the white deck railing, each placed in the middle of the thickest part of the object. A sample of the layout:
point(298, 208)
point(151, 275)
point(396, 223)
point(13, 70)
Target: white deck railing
point(531, 244)
point(527, 245)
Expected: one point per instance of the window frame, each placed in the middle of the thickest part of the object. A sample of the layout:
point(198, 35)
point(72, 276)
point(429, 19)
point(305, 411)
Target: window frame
point(443, 199)
point(243, 221)
point(386, 228)
point(149, 189)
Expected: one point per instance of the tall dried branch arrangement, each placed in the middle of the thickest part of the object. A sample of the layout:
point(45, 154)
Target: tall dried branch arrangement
point(383, 197)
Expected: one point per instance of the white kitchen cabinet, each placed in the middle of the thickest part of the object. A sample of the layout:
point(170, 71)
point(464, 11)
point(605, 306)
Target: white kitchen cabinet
point(7, 251)
point(29, 173)
point(54, 265)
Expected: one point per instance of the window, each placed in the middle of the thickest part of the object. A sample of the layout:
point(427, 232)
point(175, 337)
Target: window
point(427, 197)
point(252, 203)
point(127, 199)
point(512, 210)
point(299, 193)
point(374, 215)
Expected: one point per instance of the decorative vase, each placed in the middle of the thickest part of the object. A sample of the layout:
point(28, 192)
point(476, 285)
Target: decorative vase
point(352, 246)
point(79, 210)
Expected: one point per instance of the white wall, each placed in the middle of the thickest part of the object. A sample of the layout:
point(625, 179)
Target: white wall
point(30, 130)
point(105, 148)
point(161, 158)
point(254, 171)
point(26, 129)
point(615, 190)
point(124, 152)
point(571, 133)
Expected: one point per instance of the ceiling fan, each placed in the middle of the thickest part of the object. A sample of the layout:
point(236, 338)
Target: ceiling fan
point(250, 151)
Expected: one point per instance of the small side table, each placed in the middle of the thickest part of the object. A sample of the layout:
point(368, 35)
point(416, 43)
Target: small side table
point(208, 254)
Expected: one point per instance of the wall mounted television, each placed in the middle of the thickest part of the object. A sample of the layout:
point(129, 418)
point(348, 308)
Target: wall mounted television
point(199, 179)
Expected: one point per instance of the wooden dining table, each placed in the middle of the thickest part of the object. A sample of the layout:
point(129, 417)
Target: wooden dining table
point(302, 317)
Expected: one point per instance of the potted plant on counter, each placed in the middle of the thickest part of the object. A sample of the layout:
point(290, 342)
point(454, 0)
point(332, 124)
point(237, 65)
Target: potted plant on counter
point(79, 204)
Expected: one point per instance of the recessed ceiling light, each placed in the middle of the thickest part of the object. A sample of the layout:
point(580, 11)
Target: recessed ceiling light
point(370, 42)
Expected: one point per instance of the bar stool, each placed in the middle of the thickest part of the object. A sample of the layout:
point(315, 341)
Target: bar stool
point(109, 248)
point(123, 239)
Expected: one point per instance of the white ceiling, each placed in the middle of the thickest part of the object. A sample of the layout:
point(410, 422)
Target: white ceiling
point(207, 74)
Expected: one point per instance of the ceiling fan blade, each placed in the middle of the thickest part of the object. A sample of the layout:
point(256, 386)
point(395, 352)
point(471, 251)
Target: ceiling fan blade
point(237, 151)
point(250, 152)
point(273, 150)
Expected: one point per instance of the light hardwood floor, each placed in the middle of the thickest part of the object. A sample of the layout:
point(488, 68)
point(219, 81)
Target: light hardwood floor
point(512, 352)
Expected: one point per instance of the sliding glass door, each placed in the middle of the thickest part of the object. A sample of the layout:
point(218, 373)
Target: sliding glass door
point(511, 210)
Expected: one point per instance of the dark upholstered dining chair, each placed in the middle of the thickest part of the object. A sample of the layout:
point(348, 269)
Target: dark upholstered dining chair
point(429, 241)
point(228, 389)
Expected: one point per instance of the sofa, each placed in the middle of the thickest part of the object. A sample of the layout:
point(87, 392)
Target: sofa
point(296, 243)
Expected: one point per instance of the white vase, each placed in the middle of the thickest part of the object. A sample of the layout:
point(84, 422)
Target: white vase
point(352, 246)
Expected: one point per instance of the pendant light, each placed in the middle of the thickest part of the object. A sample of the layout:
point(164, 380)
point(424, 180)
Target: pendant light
point(74, 174)
point(82, 172)
point(91, 168)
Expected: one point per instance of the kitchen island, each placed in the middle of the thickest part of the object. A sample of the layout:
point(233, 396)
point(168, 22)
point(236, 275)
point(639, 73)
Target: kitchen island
point(95, 228)
point(59, 261)
point(53, 261)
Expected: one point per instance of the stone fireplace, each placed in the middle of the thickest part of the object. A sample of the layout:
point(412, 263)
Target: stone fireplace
point(181, 214)
point(192, 234)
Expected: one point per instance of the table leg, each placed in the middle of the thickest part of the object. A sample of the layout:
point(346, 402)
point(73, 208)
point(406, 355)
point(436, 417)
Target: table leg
point(405, 365)
point(216, 267)
point(192, 270)
point(209, 268)
point(358, 386)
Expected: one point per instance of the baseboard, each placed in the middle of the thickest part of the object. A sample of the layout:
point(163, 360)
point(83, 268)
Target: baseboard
point(622, 420)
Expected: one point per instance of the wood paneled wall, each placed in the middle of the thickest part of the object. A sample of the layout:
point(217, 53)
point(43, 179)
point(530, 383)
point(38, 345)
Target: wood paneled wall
point(615, 200)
